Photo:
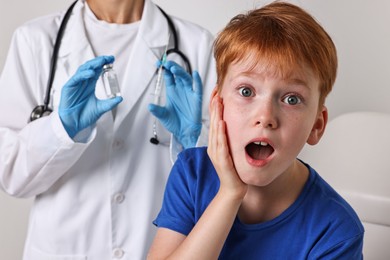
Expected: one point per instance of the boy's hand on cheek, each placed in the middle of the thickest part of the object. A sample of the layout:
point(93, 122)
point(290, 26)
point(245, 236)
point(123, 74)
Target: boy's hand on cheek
point(218, 151)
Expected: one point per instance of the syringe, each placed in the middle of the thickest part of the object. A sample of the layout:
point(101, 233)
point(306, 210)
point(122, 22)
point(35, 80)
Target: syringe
point(157, 90)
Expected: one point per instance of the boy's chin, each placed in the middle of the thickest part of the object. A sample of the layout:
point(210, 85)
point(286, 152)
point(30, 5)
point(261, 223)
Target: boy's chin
point(255, 178)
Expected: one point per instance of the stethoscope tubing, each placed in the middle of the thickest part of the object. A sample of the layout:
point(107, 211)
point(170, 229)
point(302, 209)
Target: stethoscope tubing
point(57, 44)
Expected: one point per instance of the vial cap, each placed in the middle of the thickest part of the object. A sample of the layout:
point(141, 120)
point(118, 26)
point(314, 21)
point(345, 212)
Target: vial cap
point(108, 66)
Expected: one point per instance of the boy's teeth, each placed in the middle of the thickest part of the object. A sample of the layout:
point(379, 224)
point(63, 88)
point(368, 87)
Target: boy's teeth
point(261, 143)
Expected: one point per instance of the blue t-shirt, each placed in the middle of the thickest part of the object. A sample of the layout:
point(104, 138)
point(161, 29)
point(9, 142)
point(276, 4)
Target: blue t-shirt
point(320, 224)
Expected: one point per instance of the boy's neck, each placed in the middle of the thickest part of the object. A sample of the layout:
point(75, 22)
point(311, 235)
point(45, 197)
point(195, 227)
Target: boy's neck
point(266, 203)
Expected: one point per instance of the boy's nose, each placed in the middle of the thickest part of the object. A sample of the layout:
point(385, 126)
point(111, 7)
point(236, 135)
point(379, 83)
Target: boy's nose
point(266, 116)
point(267, 123)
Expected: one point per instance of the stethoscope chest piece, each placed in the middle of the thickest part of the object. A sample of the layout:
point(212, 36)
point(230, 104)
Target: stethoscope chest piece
point(40, 111)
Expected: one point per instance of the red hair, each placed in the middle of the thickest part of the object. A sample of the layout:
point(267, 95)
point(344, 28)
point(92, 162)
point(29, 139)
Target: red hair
point(283, 36)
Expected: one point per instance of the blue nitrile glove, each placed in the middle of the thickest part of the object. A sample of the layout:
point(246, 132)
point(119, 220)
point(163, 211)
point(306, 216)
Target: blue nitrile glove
point(182, 114)
point(79, 107)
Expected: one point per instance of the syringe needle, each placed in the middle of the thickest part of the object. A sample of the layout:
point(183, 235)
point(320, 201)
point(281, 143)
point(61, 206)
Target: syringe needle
point(159, 82)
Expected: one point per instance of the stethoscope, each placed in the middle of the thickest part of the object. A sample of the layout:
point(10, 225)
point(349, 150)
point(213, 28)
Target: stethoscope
point(44, 110)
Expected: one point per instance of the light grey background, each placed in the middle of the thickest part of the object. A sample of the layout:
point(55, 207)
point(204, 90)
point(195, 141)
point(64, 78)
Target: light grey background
point(359, 28)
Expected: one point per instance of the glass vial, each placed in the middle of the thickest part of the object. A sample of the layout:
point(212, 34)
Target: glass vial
point(110, 81)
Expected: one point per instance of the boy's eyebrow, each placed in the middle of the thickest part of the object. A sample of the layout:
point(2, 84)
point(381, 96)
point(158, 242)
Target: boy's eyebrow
point(298, 81)
point(288, 79)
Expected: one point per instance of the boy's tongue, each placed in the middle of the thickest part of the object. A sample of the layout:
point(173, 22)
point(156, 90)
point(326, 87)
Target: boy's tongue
point(259, 152)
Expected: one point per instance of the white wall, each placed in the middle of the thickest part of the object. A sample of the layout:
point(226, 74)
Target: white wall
point(361, 32)
point(359, 28)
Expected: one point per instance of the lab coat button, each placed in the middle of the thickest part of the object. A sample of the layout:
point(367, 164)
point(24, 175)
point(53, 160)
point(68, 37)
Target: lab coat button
point(119, 198)
point(118, 253)
point(118, 144)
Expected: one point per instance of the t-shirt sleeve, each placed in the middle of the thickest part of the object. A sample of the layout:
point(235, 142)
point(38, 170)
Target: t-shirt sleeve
point(351, 248)
point(177, 212)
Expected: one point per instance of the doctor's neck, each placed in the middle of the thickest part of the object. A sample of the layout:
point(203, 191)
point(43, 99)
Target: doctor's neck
point(117, 11)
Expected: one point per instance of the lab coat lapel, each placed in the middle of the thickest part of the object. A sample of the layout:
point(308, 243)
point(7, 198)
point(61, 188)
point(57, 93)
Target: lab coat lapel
point(148, 48)
point(75, 49)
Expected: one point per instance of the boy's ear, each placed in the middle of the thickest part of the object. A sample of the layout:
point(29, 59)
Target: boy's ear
point(319, 126)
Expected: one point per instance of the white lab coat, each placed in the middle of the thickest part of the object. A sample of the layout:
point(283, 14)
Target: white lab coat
point(94, 199)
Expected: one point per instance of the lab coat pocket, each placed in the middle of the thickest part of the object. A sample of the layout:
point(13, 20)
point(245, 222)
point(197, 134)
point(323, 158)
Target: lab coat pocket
point(36, 254)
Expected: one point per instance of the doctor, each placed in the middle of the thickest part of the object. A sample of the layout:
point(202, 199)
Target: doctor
point(97, 188)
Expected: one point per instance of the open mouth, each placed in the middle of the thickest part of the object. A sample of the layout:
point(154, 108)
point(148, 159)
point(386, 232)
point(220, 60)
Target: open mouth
point(259, 150)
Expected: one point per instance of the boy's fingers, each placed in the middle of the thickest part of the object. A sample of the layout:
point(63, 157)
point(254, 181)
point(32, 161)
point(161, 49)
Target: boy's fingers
point(213, 126)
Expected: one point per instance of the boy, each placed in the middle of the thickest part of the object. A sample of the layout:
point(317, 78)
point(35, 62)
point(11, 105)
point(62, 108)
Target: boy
point(248, 197)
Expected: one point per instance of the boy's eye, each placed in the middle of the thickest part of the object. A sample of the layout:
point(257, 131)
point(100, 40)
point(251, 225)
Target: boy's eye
point(245, 91)
point(292, 100)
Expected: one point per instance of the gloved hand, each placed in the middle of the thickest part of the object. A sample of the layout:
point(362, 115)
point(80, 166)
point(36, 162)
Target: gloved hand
point(182, 113)
point(79, 107)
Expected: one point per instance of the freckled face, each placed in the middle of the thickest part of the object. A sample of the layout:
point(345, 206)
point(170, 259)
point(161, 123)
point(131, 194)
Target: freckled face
point(268, 119)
